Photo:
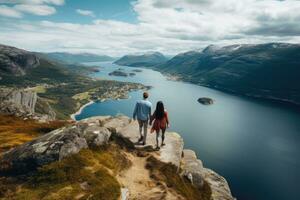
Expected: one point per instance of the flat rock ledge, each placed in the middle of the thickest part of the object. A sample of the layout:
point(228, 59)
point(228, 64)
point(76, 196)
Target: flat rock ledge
point(98, 131)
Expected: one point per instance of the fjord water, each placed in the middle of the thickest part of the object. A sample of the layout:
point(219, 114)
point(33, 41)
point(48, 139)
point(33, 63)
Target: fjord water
point(254, 144)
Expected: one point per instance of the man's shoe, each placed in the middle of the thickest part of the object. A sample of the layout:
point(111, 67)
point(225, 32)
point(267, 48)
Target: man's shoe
point(141, 139)
point(144, 143)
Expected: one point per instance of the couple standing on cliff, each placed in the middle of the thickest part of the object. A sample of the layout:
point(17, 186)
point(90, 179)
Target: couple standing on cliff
point(142, 112)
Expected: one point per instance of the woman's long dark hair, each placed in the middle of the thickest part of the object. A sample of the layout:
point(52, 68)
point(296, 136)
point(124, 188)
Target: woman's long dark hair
point(160, 110)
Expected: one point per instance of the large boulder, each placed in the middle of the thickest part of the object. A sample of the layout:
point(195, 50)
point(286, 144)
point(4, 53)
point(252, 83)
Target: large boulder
point(57, 145)
point(218, 184)
point(192, 168)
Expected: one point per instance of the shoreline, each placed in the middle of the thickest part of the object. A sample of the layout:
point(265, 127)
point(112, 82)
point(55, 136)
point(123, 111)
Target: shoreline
point(261, 97)
point(72, 116)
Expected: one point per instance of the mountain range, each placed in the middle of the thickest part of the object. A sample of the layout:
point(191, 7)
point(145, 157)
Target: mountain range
point(78, 58)
point(270, 71)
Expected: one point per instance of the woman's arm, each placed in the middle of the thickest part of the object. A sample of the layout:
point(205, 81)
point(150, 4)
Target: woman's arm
point(167, 119)
point(152, 118)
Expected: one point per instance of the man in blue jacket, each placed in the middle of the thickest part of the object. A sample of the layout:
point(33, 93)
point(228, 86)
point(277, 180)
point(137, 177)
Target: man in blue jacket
point(142, 112)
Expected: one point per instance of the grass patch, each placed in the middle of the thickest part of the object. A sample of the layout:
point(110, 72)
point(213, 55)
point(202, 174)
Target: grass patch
point(15, 131)
point(168, 174)
point(90, 174)
point(38, 89)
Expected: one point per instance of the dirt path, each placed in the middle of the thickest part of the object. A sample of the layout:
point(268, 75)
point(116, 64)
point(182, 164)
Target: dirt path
point(139, 184)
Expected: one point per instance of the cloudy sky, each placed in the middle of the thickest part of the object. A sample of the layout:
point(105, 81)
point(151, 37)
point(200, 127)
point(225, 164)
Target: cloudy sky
point(117, 27)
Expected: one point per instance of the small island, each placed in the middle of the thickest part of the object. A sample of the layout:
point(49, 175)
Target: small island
point(137, 70)
point(94, 69)
point(118, 73)
point(206, 101)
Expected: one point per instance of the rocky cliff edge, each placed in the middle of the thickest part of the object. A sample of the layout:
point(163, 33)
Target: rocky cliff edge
point(100, 131)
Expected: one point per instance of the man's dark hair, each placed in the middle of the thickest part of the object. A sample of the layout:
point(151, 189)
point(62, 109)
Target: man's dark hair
point(145, 95)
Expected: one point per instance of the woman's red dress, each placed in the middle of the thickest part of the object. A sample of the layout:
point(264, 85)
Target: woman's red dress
point(159, 124)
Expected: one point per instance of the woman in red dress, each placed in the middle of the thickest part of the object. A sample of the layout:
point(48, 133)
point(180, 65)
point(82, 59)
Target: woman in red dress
point(161, 122)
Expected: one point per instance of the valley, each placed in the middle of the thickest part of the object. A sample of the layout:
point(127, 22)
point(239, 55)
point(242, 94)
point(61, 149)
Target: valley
point(63, 88)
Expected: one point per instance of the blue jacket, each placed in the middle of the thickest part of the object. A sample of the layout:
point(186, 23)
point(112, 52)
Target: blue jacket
point(142, 110)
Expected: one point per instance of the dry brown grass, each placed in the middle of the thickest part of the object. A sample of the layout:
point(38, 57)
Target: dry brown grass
point(89, 174)
point(168, 174)
point(15, 131)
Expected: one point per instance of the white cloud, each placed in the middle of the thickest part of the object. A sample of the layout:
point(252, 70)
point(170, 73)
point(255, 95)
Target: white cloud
point(85, 12)
point(41, 10)
point(167, 26)
point(35, 7)
point(9, 12)
point(54, 2)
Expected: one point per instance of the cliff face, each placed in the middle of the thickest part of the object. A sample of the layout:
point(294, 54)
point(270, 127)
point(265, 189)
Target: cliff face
point(23, 103)
point(19, 101)
point(142, 178)
point(16, 61)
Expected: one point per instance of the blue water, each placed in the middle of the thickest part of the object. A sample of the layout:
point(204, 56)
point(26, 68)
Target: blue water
point(254, 144)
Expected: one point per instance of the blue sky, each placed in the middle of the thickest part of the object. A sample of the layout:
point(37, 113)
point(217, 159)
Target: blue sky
point(118, 27)
point(104, 9)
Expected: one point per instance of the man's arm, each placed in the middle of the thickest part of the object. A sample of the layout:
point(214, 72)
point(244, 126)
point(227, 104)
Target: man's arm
point(150, 113)
point(135, 111)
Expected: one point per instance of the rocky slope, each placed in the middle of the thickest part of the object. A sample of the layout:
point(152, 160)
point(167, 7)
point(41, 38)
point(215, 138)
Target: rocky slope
point(144, 60)
point(141, 178)
point(16, 61)
point(22, 103)
point(268, 71)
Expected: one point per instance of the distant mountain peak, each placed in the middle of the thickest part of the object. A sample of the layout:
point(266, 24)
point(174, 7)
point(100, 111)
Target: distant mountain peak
point(142, 60)
point(78, 57)
point(211, 48)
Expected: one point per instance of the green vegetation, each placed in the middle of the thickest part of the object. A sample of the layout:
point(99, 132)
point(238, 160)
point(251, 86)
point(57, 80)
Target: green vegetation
point(67, 98)
point(89, 174)
point(15, 131)
point(169, 174)
point(268, 70)
point(58, 83)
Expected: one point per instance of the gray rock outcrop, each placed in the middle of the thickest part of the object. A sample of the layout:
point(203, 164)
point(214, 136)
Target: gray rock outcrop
point(61, 143)
point(192, 168)
point(16, 61)
point(23, 103)
point(218, 184)
point(170, 153)
point(20, 101)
